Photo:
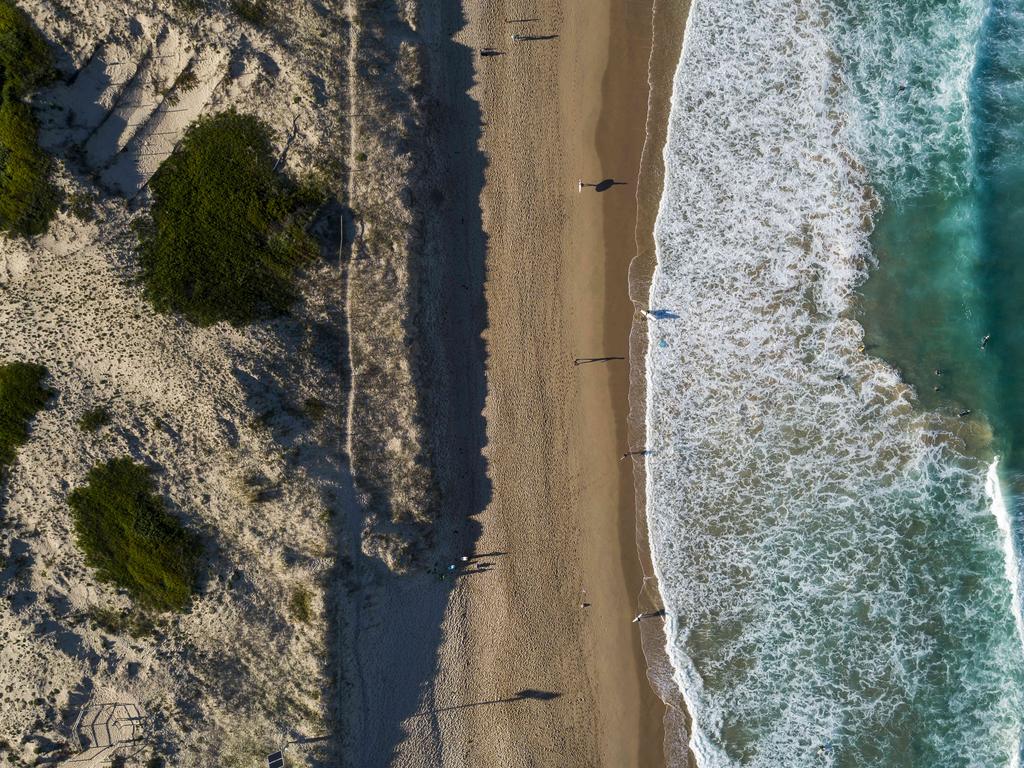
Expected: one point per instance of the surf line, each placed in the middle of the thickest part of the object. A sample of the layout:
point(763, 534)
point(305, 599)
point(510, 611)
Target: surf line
point(994, 491)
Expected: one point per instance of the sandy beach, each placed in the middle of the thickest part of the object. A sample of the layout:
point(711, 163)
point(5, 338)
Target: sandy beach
point(539, 663)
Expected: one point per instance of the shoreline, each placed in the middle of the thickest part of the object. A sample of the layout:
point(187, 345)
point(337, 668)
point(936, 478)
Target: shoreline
point(655, 44)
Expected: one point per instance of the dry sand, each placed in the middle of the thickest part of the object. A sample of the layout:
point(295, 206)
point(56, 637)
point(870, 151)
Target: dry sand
point(525, 674)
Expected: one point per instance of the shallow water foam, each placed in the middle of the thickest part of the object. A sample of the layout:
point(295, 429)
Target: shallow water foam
point(831, 564)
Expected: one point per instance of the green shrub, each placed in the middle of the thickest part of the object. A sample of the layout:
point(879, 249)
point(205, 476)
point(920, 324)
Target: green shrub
point(130, 539)
point(298, 605)
point(227, 231)
point(256, 12)
point(25, 59)
point(314, 407)
point(80, 205)
point(94, 418)
point(134, 623)
point(28, 199)
point(22, 395)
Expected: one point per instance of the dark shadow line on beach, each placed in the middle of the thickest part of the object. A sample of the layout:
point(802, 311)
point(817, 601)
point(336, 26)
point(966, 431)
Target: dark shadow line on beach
point(386, 656)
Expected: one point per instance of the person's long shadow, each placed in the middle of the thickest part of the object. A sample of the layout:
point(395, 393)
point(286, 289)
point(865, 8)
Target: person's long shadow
point(606, 184)
point(527, 694)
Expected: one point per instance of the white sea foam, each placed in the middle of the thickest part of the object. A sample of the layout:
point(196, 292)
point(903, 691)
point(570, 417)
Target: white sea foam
point(826, 553)
point(997, 503)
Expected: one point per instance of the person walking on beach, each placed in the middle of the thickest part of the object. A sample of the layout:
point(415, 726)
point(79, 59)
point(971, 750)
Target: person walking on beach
point(648, 615)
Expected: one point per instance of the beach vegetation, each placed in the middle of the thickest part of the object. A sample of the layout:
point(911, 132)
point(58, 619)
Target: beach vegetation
point(94, 418)
point(25, 59)
point(256, 12)
point(129, 538)
point(227, 231)
point(22, 396)
point(130, 622)
point(28, 199)
point(314, 408)
point(187, 80)
point(81, 206)
point(299, 605)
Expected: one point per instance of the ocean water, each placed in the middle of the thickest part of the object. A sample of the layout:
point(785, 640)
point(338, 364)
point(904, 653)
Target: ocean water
point(834, 461)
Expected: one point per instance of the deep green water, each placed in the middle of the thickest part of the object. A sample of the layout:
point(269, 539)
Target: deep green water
point(950, 251)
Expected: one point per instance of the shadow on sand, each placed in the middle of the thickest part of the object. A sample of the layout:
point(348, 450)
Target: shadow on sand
point(386, 630)
point(527, 694)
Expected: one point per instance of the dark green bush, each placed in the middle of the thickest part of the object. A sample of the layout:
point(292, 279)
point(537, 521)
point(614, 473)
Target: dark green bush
point(130, 539)
point(27, 198)
point(227, 231)
point(298, 605)
point(25, 59)
point(94, 418)
point(256, 12)
point(22, 395)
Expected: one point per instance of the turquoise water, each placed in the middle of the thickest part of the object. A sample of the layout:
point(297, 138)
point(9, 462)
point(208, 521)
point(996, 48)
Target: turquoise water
point(843, 216)
point(951, 254)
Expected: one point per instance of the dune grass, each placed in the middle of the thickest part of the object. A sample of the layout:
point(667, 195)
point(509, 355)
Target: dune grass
point(130, 539)
point(227, 231)
point(94, 418)
point(22, 395)
point(28, 199)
